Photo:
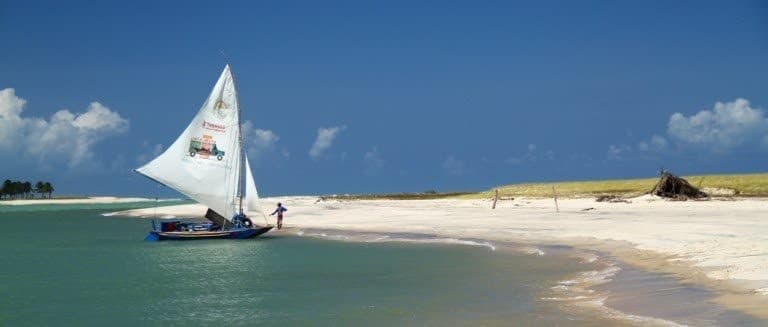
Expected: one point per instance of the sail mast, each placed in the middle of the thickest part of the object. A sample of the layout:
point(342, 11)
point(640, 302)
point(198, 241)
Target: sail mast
point(241, 174)
point(241, 155)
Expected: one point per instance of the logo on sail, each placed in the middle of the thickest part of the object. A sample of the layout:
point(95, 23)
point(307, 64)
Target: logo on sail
point(221, 109)
point(205, 148)
point(214, 127)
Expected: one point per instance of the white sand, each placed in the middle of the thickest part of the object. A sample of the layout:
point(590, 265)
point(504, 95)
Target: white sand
point(89, 200)
point(727, 239)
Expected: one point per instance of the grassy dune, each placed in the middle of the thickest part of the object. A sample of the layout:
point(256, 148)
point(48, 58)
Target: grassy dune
point(743, 185)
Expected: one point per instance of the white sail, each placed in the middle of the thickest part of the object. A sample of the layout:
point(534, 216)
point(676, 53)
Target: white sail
point(203, 163)
point(251, 202)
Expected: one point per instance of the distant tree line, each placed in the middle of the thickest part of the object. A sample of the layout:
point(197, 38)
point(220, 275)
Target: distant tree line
point(24, 190)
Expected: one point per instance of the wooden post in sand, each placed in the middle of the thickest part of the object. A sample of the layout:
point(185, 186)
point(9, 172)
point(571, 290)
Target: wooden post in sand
point(554, 194)
point(495, 198)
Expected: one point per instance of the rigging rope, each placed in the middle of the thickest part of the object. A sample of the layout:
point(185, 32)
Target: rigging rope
point(265, 217)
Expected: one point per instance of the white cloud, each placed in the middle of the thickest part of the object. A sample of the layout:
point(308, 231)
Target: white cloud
point(373, 161)
point(727, 126)
point(157, 150)
point(656, 143)
point(453, 166)
point(64, 136)
point(258, 140)
point(10, 116)
point(148, 153)
point(617, 152)
point(532, 155)
point(324, 140)
point(264, 138)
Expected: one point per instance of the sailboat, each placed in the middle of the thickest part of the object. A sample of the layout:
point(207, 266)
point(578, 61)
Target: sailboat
point(208, 163)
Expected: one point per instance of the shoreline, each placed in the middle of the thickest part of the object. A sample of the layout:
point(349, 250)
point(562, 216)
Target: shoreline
point(576, 294)
point(721, 245)
point(83, 200)
point(600, 290)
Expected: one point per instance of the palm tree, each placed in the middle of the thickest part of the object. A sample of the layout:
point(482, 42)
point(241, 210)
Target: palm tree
point(44, 190)
point(17, 188)
point(27, 188)
point(6, 189)
point(39, 188)
point(49, 189)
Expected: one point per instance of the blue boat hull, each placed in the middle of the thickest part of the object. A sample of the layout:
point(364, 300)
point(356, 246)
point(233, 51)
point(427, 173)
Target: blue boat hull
point(237, 233)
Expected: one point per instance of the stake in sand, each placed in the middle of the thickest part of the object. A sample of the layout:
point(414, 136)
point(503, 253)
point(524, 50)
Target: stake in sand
point(554, 195)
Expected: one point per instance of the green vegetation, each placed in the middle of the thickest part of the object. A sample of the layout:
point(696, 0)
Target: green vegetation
point(741, 185)
point(23, 190)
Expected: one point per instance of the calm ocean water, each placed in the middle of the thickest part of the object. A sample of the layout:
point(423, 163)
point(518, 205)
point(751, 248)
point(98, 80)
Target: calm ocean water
point(70, 266)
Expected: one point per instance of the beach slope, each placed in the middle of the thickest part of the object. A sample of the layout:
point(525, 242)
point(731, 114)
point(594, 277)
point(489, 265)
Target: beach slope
point(722, 243)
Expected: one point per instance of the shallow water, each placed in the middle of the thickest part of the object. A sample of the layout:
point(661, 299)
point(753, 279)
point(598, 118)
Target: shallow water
point(103, 207)
point(72, 266)
point(661, 295)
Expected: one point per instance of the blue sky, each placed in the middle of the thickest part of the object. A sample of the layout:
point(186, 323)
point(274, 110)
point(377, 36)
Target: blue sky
point(388, 96)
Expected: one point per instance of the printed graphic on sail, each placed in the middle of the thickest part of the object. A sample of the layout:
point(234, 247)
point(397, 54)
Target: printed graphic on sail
point(204, 148)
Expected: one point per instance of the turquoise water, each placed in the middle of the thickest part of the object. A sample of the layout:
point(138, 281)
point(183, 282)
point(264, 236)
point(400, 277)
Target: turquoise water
point(74, 267)
point(100, 207)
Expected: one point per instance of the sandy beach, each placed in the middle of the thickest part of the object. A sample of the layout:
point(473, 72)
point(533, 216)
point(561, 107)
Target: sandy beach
point(88, 200)
point(721, 243)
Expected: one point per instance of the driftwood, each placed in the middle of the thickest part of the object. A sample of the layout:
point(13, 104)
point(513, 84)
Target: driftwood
point(611, 198)
point(671, 186)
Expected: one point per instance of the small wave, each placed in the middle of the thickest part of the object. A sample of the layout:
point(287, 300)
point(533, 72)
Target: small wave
point(534, 251)
point(576, 294)
point(586, 257)
point(595, 277)
point(378, 238)
point(337, 237)
point(488, 245)
point(599, 304)
point(572, 298)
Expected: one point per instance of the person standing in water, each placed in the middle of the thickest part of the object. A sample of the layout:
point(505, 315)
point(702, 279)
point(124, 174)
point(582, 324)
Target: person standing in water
point(279, 211)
